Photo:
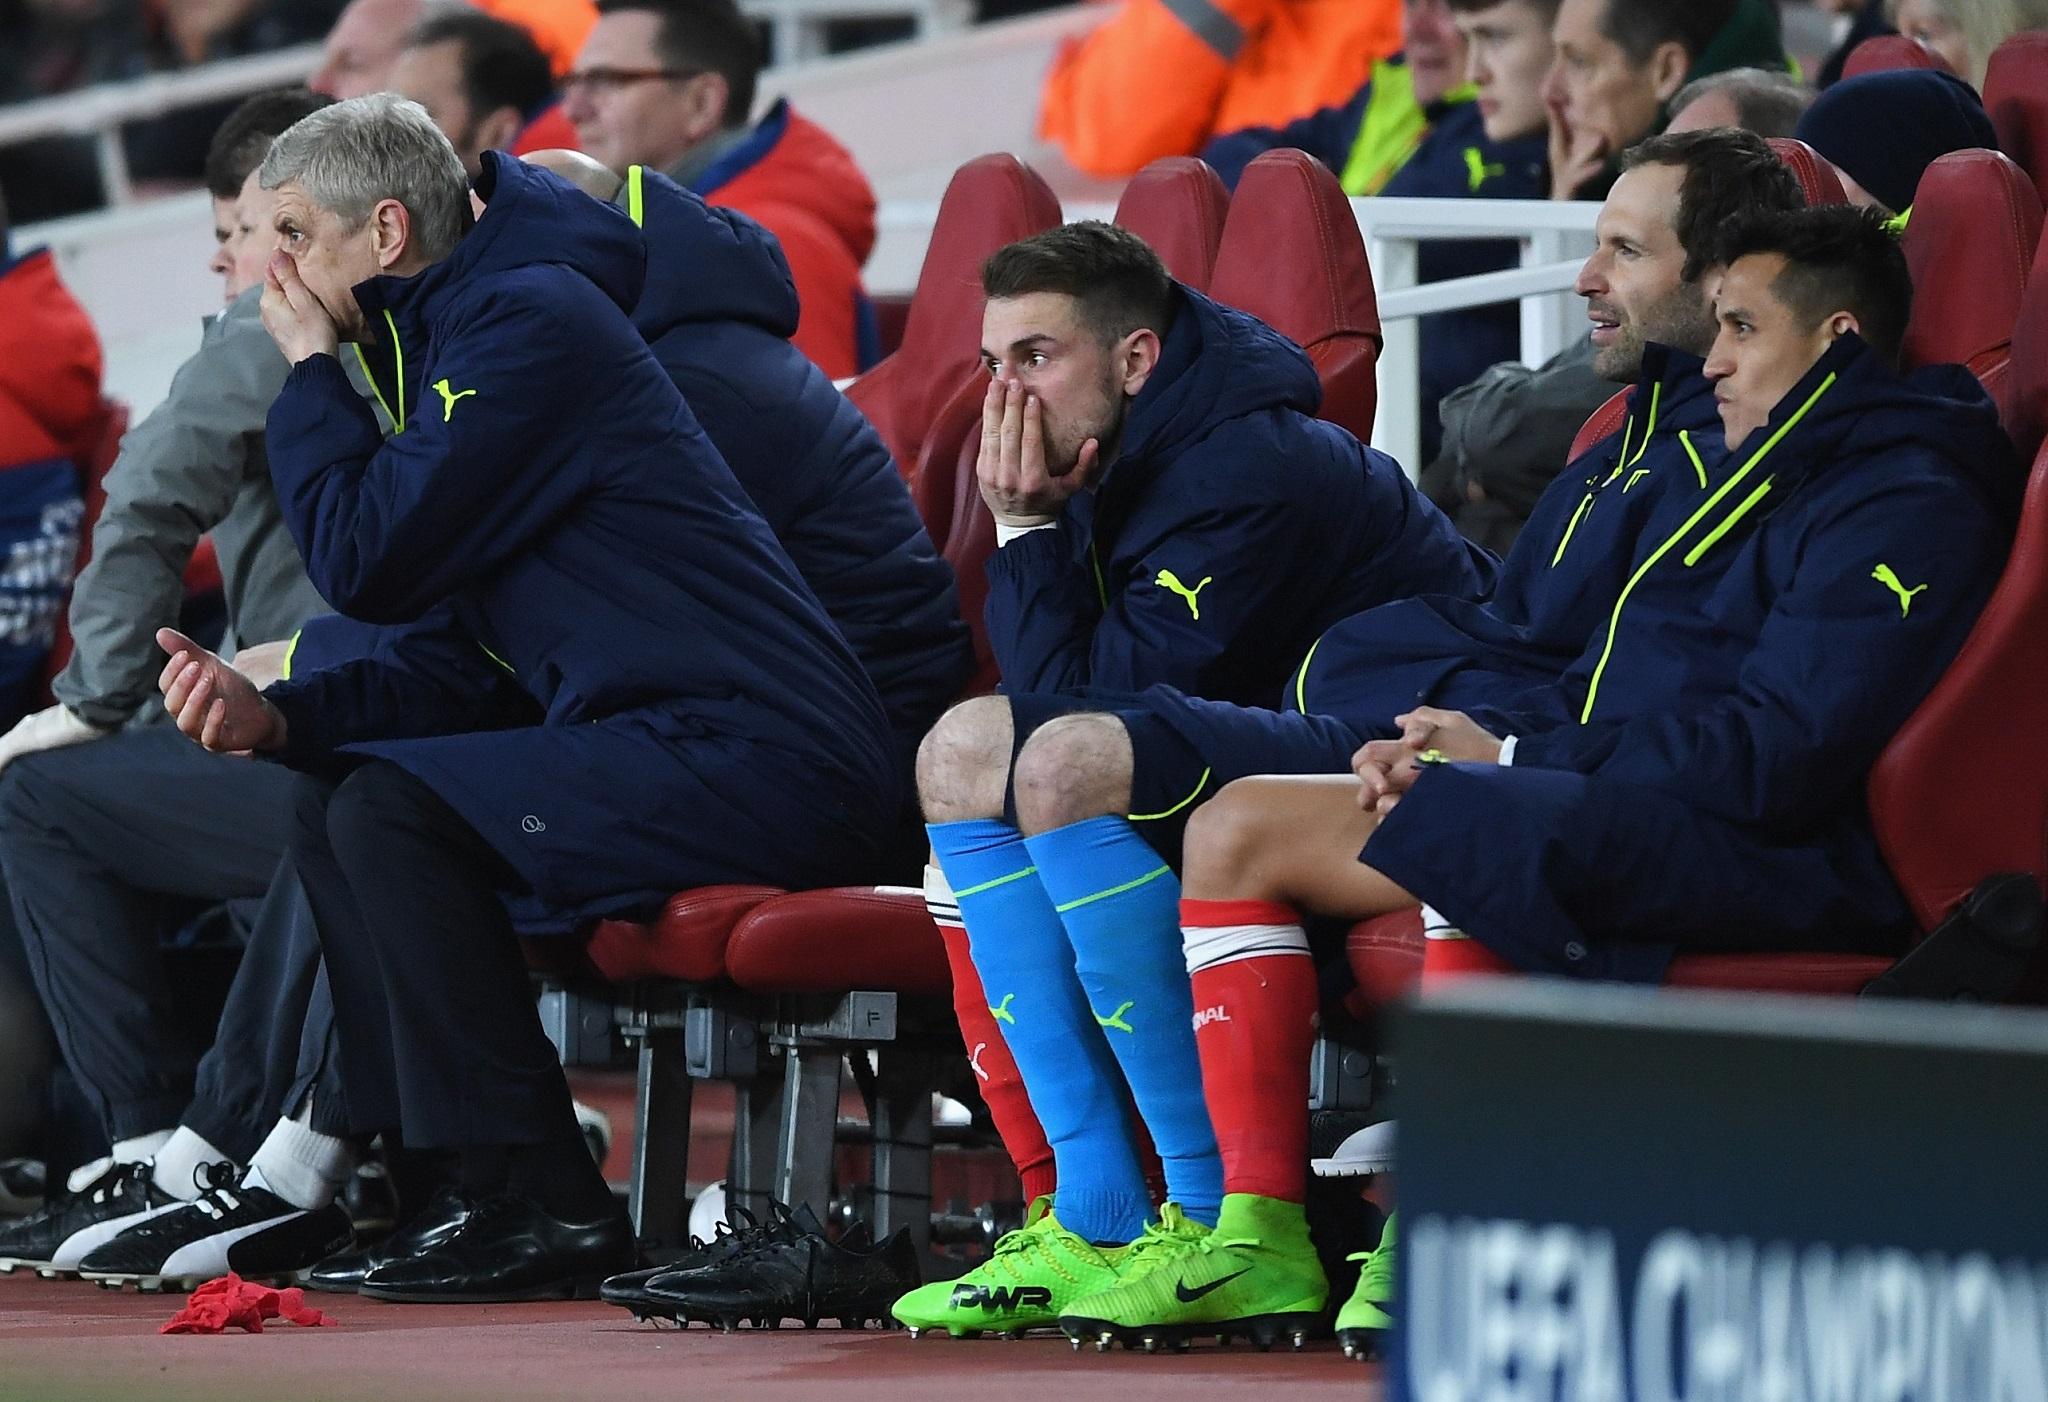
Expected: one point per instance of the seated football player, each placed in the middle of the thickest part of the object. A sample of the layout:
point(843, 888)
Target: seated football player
point(1694, 780)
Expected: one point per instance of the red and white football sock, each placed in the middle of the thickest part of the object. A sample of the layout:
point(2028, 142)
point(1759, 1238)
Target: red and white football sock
point(1255, 1026)
point(995, 1070)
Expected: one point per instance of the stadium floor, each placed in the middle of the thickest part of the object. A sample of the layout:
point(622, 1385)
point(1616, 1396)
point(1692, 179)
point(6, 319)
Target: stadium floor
point(72, 1342)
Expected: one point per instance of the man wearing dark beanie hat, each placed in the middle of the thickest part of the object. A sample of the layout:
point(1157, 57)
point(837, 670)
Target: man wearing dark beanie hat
point(1882, 130)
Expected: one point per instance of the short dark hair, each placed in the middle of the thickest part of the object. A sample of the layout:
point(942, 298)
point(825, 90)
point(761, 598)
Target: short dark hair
point(1545, 8)
point(1767, 102)
point(1115, 276)
point(1837, 258)
point(501, 64)
point(1727, 173)
point(240, 143)
point(1639, 26)
point(710, 36)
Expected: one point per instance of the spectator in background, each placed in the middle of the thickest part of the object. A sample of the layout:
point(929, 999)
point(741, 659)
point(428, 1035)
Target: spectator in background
point(1856, 20)
point(1368, 137)
point(1619, 62)
point(1965, 33)
point(1881, 131)
point(49, 401)
point(481, 79)
point(1753, 99)
point(669, 84)
point(1434, 123)
point(1162, 77)
point(361, 48)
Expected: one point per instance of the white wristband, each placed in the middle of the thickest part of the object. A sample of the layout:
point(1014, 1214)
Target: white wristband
point(1507, 750)
point(1006, 534)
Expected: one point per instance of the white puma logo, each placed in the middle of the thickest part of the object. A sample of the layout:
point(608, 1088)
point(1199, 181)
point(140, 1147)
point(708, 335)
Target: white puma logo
point(974, 1059)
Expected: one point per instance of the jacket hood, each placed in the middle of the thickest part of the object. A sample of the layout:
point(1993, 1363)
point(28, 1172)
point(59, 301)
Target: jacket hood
point(531, 217)
point(704, 263)
point(49, 356)
point(1853, 405)
point(789, 160)
point(1216, 364)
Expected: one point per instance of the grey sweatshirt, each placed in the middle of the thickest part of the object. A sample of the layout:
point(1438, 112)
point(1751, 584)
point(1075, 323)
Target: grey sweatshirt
point(196, 464)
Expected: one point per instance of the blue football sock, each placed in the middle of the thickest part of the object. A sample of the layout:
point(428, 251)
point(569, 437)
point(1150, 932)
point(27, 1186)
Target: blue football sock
point(1121, 905)
point(1027, 967)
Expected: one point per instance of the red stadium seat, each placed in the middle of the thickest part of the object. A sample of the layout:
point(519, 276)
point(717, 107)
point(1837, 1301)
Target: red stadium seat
point(2021, 387)
point(1976, 224)
point(871, 937)
point(992, 201)
point(1816, 177)
point(687, 940)
point(2016, 96)
point(1320, 294)
point(1889, 51)
point(1606, 422)
point(1386, 958)
point(1177, 205)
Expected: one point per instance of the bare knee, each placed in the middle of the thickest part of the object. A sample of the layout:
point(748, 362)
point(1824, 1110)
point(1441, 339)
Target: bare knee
point(1072, 769)
point(1228, 849)
point(963, 765)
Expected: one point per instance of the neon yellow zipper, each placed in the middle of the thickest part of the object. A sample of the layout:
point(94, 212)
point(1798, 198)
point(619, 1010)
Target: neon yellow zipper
point(1614, 620)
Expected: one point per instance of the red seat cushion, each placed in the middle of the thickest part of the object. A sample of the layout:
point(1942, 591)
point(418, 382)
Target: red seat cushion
point(1177, 206)
point(1291, 255)
point(686, 941)
point(992, 201)
point(836, 941)
point(2023, 393)
point(1886, 52)
point(1385, 955)
point(1816, 177)
point(1840, 975)
point(2016, 97)
point(1976, 223)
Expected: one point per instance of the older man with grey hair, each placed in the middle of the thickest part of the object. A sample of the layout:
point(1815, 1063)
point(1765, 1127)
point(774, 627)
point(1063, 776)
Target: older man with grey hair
point(1765, 101)
point(599, 679)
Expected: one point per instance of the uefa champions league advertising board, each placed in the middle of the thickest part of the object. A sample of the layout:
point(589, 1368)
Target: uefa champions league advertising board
point(1611, 1195)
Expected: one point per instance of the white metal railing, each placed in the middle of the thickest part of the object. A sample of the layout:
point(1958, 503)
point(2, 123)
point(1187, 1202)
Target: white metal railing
point(1554, 235)
point(102, 110)
point(796, 35)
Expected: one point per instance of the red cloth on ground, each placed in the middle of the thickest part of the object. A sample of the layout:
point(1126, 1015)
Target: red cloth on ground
point(230, 1300)
point(1255, 1021)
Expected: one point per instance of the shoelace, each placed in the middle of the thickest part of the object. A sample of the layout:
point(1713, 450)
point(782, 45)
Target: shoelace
point(1371, 1270)
point(1160, 1239)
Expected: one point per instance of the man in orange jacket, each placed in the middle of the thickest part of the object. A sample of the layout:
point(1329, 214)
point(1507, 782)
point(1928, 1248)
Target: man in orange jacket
point(1161, 76)
point(669, 84)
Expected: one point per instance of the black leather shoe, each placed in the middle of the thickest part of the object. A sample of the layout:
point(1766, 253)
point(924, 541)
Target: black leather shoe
point(443, 1216)
point(509, 1249)
point(808, 1278)
point(630, 1291)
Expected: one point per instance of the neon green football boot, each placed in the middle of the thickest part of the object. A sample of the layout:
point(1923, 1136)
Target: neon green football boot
point(1033, 1274)
point(1369, 1313)
point(1256, 1274)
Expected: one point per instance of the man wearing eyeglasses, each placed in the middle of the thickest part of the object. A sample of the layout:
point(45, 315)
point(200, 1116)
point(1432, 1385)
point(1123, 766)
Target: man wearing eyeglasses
point(669, 84)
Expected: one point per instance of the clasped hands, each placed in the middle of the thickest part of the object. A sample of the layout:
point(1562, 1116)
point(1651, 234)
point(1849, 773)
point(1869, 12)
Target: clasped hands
point(1386, 769)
